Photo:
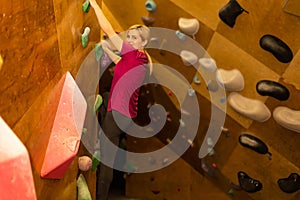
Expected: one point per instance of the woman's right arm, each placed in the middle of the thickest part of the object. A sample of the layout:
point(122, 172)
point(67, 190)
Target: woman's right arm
point(106, 26)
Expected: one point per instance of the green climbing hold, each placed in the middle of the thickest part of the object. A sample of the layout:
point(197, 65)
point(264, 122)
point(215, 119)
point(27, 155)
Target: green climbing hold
point(98, 102)
point(95, 160)
point(84, 131)
point(83, 190)
point(85, 37)
point(86, 6)
point(98, 51)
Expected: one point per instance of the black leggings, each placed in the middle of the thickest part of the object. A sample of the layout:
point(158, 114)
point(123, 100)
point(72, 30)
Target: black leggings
point(112, 132)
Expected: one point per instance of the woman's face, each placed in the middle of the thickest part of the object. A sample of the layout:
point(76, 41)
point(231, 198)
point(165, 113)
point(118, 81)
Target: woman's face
point(134, 38)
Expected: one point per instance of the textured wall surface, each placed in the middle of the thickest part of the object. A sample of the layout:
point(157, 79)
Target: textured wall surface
point(236, 48)
point(40, 42)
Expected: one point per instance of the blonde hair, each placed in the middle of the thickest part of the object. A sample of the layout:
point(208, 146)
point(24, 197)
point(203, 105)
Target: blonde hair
point(144, 32)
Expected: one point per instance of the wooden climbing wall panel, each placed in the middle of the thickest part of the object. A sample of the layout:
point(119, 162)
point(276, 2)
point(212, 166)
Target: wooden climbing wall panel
point(40, 42)
point(30, 54)
point(237, 48)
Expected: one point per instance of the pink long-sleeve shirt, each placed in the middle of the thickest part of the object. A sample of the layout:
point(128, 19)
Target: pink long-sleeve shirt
point(129, 74)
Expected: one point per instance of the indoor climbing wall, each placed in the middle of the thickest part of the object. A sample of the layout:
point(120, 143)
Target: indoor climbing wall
point(41, 50)
point(256, 51)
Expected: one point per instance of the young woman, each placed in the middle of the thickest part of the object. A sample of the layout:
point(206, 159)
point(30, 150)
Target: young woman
point(123, 98)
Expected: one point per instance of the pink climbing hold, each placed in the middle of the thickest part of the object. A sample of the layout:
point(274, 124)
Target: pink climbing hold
point(55, 149)
point(15, 169)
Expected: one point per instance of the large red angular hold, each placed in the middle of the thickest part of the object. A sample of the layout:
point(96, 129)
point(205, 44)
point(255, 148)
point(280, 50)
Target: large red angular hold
point(16, 179)
point(56, 141)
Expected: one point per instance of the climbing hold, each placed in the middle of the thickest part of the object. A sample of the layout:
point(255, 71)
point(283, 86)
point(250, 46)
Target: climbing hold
point(180, 35)
point(191, 92)
point(170, 92)
point(95, 160)
point(190, 142)
point(181, 122)
point(229, 13)
point(223, 99)
point(152, 160)
point(85, 37)
point(212, 85)
point(214, 165)
point(251, 108)
point(86, 6)
point(148, 21)
point(208, 64)
point(154, 40)
point(84, 163)
point(253, 143)
point(188, 26)
point(98, 102)
point(210, 151)
point(165, 161)
point(188, 58)
point(288, 118)
point(290, 184)
point(272, 89)
point(150, 5)
point(209, 141)
point(231, 191)
point(231, 80)
point(83, 189)
point(168, 140)
point(223, 129)
point(248, 184)
point(277, 47)
point(98, 51)
point(84, 130)
point(196, 80)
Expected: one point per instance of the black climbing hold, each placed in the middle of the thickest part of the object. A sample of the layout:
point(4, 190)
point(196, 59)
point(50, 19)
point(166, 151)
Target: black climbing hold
point(272, 89)
point(277, 47)
point(230, 12)
point(290, 184)
point(249, 184)
point(253, 143)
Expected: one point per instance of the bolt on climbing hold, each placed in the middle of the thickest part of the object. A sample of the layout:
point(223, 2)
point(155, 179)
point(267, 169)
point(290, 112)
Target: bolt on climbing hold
point(85, 37)
point(86, 6)
point(150, 5)
point(98, 51)
point(210, 151)
point(182, 124)
point(95, 160)
point(191, 92)
point(98, 102)
point(196, 80)
point(84, 130)
point(180, 35)
point(190, 142)
point(223, 100)
point(224, 129)
point(165, 161)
